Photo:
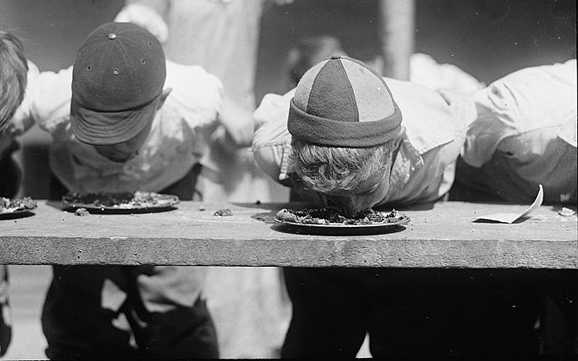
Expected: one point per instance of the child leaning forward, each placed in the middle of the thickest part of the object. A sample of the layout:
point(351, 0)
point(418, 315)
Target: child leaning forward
point(14, 73)
point(124, 119)
point(358, 141)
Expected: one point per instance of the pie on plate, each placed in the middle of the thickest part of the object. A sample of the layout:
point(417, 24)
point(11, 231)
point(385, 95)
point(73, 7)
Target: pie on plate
point(125, 202)
point(9, 207)
point(329, 218)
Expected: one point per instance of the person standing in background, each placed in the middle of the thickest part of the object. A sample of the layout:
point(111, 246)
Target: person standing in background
point(423, 69)
point(221, 36)
point(249, 305)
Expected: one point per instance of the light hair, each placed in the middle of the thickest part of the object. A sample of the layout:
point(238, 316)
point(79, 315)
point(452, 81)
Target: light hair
point(325, 169)
point(13, 76)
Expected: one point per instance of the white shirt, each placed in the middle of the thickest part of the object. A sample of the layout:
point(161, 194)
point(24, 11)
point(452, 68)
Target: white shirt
point(525, 132)
point(176, 142)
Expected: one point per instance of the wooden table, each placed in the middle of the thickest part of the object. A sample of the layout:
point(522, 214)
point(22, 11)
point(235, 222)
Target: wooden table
point(443, 236)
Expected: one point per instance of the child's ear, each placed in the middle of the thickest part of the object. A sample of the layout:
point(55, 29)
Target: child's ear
point(164, 96)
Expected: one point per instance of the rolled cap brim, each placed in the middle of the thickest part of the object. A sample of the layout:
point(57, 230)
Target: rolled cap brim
point(322, 131)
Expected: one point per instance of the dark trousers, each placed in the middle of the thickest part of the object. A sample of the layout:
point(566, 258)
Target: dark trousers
point(128, 312)
point(10, 175)
point(77, 324)
point(560, 315)
point(559, 296)
point(413, 314)
point(5, 325)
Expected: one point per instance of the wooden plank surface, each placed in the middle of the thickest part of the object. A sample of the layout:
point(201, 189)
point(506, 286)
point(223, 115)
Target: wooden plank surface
point(191, 235)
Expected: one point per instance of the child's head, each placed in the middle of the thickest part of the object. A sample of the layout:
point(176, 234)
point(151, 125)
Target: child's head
point(346, 130)
point(13, 76)
point(117, 88)
point(310, 51)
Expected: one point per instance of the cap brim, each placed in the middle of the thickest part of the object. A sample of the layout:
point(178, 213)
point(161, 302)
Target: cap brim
point(335, 133)
point(105, 128)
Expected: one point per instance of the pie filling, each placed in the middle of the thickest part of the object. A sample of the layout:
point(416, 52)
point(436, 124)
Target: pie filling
point(137, 199)
point(329, 215)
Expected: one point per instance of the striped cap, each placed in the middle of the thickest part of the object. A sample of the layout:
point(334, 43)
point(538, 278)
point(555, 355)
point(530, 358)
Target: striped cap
point(342, 103)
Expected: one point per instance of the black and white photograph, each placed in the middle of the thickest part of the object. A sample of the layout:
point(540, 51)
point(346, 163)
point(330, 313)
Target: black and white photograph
point(288, 179)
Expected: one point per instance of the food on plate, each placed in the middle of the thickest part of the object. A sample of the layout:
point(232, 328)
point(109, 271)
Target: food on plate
point(124, 200)
point(225, 212)
point(81, 212)
point(336, 216)
point(8, 205)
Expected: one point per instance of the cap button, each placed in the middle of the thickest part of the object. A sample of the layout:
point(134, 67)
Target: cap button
point(335, 57)
point(111, 36)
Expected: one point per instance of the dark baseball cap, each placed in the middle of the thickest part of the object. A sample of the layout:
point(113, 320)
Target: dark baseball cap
point(117, 82)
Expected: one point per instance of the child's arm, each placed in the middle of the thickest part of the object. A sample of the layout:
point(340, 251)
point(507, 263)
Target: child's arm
point(272, 142)
point(196, 94)
point(236, 126)
point(201, 101)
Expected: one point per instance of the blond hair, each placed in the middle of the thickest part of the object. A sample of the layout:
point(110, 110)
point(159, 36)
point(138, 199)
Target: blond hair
point(326, 169)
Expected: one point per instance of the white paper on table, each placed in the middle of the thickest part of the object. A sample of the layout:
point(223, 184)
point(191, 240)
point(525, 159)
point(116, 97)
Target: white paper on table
point(513, 217)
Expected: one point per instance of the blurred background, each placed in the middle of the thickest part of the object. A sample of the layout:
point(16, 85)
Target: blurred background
point(485, 38)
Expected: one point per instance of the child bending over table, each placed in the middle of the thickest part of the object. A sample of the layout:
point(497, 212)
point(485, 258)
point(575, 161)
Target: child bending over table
point(358, 141)
point(13, 79)
point(124, 119)
point(525, 135)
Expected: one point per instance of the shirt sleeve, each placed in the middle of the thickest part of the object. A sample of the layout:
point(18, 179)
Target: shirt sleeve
point(272, 142)
point(526, 100)
point(197, 94)
point(424, 70)
point(496, 120)
point(47, 100)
